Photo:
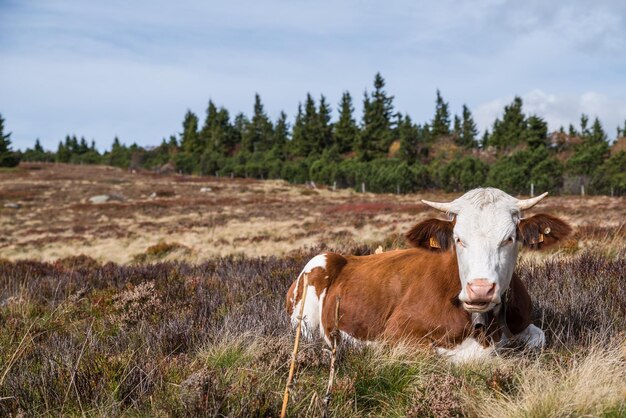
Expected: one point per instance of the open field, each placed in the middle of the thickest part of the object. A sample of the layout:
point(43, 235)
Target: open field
point(248, 217)
point(176, 307)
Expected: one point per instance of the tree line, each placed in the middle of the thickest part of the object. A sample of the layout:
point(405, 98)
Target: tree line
point(384, 149)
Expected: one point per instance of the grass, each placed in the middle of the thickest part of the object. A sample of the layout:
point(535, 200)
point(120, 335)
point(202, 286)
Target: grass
point(185, 328)
point(78, 337)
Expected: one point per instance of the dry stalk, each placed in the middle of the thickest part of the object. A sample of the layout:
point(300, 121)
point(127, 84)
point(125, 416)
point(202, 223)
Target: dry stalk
point(331, 376)
point(294, 354)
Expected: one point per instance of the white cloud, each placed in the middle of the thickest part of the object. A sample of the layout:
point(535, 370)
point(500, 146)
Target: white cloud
point(559, 109)
point(133, 68)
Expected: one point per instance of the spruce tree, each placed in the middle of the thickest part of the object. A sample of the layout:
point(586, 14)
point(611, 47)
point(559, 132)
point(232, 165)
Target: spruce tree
point(410, 139)
point(37, 148)
point(307, 131)
point(536, 132)
point(441, 121)
point(8, 158)
point(258, 135)
point(345, 130)
point(325, 128)
point(207, 142)
point(511, 130)
point(63, 153)
point(83, 147)
point(377, 133)
point(281, 137)
point(189, 138)
point(621, 132)
point(591, 152)
point(456, 128)
point(469, 131)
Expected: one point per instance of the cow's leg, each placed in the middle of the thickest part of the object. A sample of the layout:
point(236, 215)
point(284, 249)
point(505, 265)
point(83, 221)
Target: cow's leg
point(532, 337)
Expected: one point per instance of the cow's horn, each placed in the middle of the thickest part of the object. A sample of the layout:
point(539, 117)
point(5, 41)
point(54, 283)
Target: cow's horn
point(529, 203)
point(442, 206)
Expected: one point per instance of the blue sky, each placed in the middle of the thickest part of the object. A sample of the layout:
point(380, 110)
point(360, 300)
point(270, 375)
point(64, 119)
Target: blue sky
point(132, 69)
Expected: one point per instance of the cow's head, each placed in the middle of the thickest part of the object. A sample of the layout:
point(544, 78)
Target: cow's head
point(486, 230)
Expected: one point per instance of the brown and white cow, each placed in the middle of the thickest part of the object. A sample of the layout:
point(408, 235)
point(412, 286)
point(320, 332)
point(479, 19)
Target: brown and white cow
point(427, 294)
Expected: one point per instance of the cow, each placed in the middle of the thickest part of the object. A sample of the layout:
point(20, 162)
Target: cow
point(455, 289)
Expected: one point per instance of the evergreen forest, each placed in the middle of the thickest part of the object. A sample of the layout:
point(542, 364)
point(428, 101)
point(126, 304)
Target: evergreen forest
point(381, 150)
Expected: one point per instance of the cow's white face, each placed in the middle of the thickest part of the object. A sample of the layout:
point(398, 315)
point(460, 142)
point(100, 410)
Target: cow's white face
point(484, 231)
point(486, 248)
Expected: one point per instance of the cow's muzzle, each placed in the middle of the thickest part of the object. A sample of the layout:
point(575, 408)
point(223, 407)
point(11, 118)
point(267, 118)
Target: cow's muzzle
point(481, 296)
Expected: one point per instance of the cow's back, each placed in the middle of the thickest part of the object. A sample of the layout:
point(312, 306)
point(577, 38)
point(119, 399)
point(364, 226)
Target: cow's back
point(396, 294)
point(401, 294)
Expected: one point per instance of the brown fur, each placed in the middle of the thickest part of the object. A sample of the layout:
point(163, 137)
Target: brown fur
point(440, 231)
point(412, 294)
point(529, 230)
point(403, 294)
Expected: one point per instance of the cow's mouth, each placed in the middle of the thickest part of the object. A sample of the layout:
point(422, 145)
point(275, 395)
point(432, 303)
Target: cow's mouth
point(477, 306)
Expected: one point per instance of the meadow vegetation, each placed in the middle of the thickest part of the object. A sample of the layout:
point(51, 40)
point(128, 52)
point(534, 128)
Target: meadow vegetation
point(172, 338)
point(177, 332)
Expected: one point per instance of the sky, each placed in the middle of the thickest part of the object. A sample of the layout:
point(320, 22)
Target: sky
point(133, 68)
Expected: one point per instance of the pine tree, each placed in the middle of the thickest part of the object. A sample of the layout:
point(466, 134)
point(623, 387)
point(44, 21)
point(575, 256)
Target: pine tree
point(441, 121)
point(306, 130)
point(377, 133)
point(621, 132)
point(189, 138)
point(584, 122)
point(511, 130)
point(258, 135)
point(206, 133)
point(456, 128)
point(83, 147)
point(8, 158)
point(591, 152)
point(410, 139)
point(325, 128)
point(37, 148)
point(345, 130)
point(597, 134)
point(120, 154)
point(469, 131)
point(536, 132)
point(63, 153)
point(281, 137)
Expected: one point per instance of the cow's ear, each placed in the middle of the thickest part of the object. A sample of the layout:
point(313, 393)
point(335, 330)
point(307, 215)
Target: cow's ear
point(541, 231)
point(432, 234)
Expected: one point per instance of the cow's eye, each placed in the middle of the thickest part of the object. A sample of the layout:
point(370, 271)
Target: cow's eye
point(508, 241)
point(459, 242)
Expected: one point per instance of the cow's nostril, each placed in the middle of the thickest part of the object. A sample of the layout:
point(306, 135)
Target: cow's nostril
point(481, 290)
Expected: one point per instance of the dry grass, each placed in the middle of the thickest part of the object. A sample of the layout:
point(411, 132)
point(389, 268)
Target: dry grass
point(196, 327)
point(174, 338)
point(592, 384)
point(238, 216)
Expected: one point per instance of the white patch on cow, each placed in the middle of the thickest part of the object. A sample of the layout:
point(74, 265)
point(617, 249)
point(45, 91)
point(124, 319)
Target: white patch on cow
point(317, 261)
point(312, 314)
point(532, 336)
point(346, 338)
point(469, 350)
point(321, 310)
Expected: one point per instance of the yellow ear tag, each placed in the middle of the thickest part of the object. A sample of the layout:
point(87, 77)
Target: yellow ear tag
point(433, 243)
